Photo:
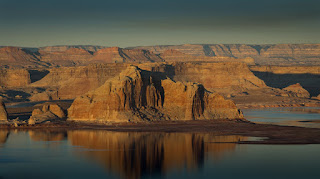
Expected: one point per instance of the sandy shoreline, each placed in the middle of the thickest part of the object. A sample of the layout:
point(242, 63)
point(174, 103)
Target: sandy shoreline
point(275, 134)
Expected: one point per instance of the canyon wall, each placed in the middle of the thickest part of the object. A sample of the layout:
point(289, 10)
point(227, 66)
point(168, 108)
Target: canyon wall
point(138, 95)
point(14, 77)
point(274, 54)
point(283, 76)
point(74, 81)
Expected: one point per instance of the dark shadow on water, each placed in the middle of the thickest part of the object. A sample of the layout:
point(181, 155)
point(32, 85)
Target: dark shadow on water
point(310, 82)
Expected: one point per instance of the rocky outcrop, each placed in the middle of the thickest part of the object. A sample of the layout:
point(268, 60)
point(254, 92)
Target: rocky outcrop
point(3, 112)
point(296, 90)
point(138, 95)
point(14, 77)
point(50, 112)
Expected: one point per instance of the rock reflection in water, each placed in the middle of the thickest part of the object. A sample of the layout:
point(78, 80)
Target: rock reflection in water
point(46, 135)
point(3, 136)
point(133, 154)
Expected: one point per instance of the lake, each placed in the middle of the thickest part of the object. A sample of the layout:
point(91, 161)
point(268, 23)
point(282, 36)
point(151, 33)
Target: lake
point(105, 154)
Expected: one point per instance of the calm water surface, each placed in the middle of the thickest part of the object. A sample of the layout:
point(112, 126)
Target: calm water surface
point(285, 116)
point(103, 154)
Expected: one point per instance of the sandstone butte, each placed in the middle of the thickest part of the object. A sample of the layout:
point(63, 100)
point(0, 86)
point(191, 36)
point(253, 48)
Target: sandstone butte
point(3, 112)
point(140, 95)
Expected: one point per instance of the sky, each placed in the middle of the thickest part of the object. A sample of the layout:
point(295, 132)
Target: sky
point(125, 23)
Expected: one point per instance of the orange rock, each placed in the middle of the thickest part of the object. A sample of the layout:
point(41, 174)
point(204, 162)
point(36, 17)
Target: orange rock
point(296, 90)
point(137, 95)
point(3, 112)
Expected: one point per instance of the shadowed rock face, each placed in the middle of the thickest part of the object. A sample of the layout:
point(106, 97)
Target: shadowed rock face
point(3, 112)
point(282, 76)
point(137, 95)
point(134, 155)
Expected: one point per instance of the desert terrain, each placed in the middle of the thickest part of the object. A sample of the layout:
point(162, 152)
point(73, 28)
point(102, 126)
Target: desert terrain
point(154, 86)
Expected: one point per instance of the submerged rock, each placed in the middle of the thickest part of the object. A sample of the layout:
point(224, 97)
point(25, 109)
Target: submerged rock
point(138, 95)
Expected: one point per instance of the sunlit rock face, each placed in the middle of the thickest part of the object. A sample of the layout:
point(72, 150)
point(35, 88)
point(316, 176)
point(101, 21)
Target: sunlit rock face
point(134, 155)
point(14, 77)
point(296, 90)
point(137, 95)
point(3, 112)
point(50, 112)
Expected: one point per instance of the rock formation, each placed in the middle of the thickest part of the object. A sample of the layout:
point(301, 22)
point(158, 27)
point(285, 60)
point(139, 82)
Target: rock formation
point(296, 90)
point(137, 95)
point(14, 77)
point(16, 57)
point(283, 76)
point(3, 112)
point(49, 113)
point(68, 83)
point(276, 54)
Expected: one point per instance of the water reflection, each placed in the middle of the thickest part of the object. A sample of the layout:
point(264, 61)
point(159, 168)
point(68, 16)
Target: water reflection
point(44, 135)
point(127, 154)
point(133, 155)
point(3, 136)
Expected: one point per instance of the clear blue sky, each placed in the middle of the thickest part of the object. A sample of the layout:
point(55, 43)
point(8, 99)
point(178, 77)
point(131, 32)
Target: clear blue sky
point(148, 22)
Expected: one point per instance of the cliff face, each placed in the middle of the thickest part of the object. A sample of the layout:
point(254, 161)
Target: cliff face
point(276, 54)
point(14, 77)
point(69, 82)
point(74, 81)
point(283, 76)
point(119, 55)
point(69, 57)
point(137, 95)
point(218, 75)
point(16, 57)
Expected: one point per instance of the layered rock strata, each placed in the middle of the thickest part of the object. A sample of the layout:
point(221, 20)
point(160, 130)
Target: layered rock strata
point(138, 95)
